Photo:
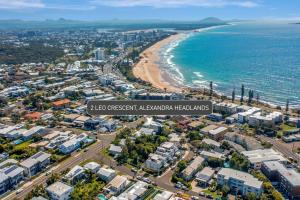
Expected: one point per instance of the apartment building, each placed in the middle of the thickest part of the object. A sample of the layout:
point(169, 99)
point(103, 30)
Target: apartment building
point(288, 179)
point(239, 181)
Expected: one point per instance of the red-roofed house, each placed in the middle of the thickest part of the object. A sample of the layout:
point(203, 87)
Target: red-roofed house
point(61, 104)
point(33, 116)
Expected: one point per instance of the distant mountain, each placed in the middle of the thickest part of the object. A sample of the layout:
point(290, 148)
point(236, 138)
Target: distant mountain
point(110, 24)
point(212, 20)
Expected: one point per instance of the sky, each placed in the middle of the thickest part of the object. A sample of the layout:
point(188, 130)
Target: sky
point(149, 9)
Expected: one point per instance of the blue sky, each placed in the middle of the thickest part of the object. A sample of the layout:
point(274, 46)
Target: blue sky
point(149, 9)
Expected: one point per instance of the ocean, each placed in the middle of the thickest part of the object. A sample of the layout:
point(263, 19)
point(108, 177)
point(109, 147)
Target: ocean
point(265, 57)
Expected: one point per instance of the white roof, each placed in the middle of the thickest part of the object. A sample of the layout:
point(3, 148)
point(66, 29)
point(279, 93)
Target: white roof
point(165, 195)
point(59, 188)
point(262, 155)
point(211, 142)
point(247, 178)
point(74, 172)
point(91, 165)
point(117, 181)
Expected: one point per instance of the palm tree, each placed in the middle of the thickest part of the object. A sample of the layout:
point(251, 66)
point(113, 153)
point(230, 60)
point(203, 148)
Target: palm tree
point(242, 93)
point(211, 90)
point(233, 95)
point(257, 98)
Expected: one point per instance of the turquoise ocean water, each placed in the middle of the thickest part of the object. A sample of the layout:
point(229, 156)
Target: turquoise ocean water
point(263, 57)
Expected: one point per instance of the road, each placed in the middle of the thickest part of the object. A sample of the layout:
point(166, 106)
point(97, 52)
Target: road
point(277, 145)
point(164, 181)
point(75, 159)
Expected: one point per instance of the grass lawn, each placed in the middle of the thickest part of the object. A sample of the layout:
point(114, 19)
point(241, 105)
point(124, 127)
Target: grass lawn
point(23, 145)
point(213, 194)
point(286, 127)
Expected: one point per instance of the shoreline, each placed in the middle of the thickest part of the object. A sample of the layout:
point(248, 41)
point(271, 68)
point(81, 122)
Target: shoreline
point(149, 67)
point(153, 68)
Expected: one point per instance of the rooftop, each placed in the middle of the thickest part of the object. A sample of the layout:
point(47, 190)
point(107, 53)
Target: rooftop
point(290, 175)
point(261, 155)
point(117, 181)
point(61, 102)
point(59, 188)
point(247, 178)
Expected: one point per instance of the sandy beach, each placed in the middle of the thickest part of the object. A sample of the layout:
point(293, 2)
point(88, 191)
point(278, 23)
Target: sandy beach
point(148, 68)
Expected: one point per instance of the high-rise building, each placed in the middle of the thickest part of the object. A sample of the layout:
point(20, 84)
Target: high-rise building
point(100, 54)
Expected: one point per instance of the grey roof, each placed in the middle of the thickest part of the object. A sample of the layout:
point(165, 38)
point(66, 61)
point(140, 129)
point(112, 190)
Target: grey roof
point(91, 165)
point(74, 172)
point(59, 188)
point(115, 148)
point(205, 174)
point(13, 170)
point(290, 175)
point(261, 155)
point(3, 177)
point(247, 178)
point(28, 163)
point(8, 161)
point(41, 156)
point(106, 172)
point(36, 158)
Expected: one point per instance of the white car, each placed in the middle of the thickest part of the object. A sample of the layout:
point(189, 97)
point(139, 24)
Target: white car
point(19, 191)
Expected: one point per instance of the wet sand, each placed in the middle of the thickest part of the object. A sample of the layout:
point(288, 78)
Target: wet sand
point(148, 68)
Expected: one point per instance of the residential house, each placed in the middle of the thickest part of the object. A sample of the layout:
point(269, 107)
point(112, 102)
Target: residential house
point(61, 104)
point(92, 166)
point(36, 163)
point(165, 195)
point(106, 174)
point(76, 174)
point(155, 162)
point(33, 116)
point(214, 132)
point(189, 172)
point(214, 144)
point(59, 191)
point(115, 150)
point(117, 185)
point(135, 192)
point(204, 176)
point(212, 154)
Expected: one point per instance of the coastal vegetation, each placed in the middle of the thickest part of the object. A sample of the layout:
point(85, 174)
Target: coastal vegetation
point(33, 53)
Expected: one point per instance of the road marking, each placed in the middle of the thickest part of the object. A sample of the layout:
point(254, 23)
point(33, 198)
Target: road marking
point(27, 184)
point(77, 155)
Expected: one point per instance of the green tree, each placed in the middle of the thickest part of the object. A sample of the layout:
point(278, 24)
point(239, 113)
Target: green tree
point(251, 196)
point(211, 90)
point(225, 190)
point(233, 95)
point(242, 93)
point(181, 165)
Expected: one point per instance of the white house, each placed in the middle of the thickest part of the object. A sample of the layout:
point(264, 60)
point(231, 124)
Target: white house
point(59, 191)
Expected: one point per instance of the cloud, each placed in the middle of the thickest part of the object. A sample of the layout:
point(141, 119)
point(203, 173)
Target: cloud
point(176, 3)
point(20, 4)
point(70, 7)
